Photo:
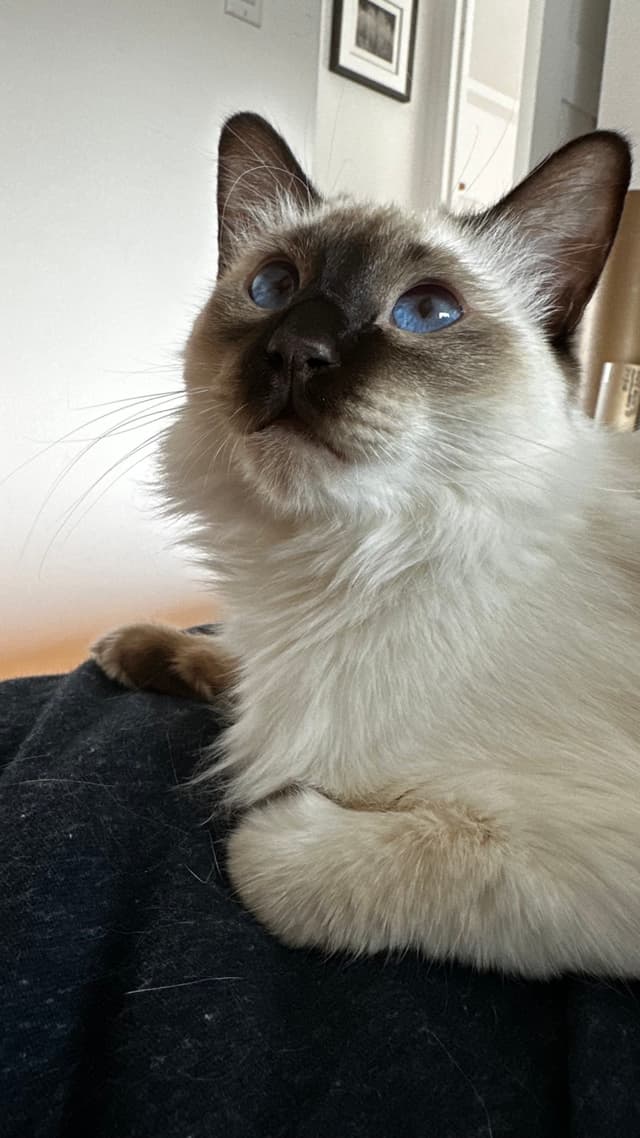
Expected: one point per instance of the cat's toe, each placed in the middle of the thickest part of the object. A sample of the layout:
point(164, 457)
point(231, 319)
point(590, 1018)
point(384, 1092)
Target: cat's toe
point(156, 657)
point(145, 656)
point(125, 654)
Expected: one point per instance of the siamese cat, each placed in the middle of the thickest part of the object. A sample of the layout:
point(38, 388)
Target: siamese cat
point(430, 563)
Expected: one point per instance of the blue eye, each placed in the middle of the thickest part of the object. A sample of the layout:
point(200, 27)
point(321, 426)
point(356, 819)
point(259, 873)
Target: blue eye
point(426, 308)
point(274, 285)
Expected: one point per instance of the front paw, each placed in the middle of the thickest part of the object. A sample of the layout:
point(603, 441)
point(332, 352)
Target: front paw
point(277, 867)
point(156, 657)
point(418, 874)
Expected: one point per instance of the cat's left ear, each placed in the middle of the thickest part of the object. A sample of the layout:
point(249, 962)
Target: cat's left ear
point(256, 172)
point(564, 217)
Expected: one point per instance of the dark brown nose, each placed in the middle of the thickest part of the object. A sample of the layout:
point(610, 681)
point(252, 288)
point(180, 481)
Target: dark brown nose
point(306, 342)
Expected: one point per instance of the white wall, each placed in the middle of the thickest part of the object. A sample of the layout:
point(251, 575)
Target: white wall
point(110, 113)
point(376, 147)
point(620, 94)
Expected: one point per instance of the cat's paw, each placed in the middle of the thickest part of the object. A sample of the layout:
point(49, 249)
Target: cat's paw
point(159, 658)
point(370, 878)
point(282, 874)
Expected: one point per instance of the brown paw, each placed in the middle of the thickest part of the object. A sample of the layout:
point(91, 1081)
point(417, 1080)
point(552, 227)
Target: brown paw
point(163, 659)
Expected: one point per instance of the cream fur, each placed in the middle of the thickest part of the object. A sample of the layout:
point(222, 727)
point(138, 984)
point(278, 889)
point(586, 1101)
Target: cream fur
point(437, 731)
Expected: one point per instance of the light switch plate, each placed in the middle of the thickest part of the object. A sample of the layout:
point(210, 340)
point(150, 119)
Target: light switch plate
point(248, 10)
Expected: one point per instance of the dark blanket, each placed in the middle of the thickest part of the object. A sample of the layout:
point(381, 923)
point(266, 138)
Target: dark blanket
point(141, 1000)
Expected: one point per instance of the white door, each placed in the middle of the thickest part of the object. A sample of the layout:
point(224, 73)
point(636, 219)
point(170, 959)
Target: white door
point(562, 75)
point(528, 80)
point(491, 57)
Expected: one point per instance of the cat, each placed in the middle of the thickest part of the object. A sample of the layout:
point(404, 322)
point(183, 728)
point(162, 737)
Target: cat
point(430, 560)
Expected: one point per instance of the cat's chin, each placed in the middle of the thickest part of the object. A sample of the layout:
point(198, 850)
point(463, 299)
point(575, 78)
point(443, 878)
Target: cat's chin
point(292, 468)
point(291, 436)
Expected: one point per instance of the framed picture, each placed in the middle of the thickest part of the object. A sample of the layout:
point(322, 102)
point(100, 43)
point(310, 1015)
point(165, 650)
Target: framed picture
point(372, 42)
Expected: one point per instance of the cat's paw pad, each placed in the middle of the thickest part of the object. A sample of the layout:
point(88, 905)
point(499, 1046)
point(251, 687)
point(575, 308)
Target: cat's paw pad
point(158, 658)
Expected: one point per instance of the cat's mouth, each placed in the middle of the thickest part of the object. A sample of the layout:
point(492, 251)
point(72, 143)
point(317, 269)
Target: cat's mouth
point(289, 426)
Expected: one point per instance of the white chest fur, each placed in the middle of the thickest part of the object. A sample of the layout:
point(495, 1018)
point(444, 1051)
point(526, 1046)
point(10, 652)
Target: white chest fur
point(514, 664)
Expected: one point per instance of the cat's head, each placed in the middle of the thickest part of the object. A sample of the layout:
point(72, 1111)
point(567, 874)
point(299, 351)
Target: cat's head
point(355, 358)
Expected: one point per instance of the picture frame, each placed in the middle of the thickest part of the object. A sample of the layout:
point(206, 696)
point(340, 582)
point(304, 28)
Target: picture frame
point(373, 43)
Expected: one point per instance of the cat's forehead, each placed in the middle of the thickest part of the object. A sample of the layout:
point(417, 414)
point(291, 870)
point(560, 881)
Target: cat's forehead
point(349, 240)
point(367, 227)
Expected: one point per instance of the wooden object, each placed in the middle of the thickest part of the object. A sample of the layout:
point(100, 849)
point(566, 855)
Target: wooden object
point(619, 396)
point(612, 321)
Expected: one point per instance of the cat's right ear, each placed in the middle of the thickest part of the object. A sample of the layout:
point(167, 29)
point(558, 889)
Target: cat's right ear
point(256, 172)
point(565, 216)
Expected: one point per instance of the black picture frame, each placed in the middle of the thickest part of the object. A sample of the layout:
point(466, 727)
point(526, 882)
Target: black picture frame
point(340, 11)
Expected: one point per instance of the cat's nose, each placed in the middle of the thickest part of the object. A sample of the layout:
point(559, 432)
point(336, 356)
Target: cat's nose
point(301, 356)
point(307, 341)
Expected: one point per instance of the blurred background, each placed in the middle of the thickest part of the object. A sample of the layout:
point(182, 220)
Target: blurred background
point(110, 116)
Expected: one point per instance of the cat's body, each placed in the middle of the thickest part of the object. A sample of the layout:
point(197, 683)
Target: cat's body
point(432, 591)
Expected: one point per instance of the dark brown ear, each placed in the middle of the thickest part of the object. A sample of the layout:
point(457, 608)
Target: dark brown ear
point(566, 214)
point(256, 169)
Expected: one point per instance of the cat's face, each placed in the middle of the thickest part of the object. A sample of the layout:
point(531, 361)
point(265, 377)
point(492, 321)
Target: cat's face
point(354, 358)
